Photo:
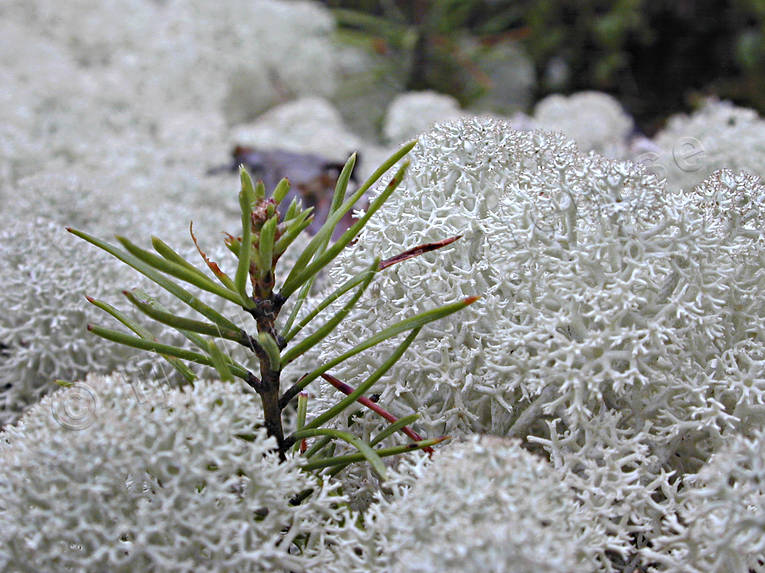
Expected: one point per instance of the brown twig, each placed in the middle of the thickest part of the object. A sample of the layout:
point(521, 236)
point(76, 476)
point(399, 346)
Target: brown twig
point(212, 265)
point(416, 252)
point(347, 390)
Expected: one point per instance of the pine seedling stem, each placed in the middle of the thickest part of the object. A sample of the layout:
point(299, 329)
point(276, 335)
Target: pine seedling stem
point(266, 232)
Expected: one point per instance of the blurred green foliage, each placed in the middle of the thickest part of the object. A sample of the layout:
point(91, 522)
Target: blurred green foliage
point(432, 37)
point(656, 57)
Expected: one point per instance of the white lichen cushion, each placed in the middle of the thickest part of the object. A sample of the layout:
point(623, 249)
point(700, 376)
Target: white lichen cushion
point(47, 275)
point(721, 524)
point(485, 505)
point(719, 135)
point(154, 479)
point(610, 331)
point(595, 120)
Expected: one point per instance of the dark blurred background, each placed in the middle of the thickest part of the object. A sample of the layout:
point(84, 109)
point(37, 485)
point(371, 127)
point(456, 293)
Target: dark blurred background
point(656, 57)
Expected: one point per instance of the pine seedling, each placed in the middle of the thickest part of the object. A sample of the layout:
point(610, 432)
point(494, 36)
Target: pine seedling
point(266, 233)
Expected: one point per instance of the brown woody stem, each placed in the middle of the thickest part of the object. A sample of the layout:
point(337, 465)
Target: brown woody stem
point(265, 313)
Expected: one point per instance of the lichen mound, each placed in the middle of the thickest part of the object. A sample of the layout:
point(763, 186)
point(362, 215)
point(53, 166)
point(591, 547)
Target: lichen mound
point(619, 326)
point(110, 476)
point(719, 135)
point(46, 275)
point(482, 505)
point(595, 120)
point(721, 523)
point(413, 113)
